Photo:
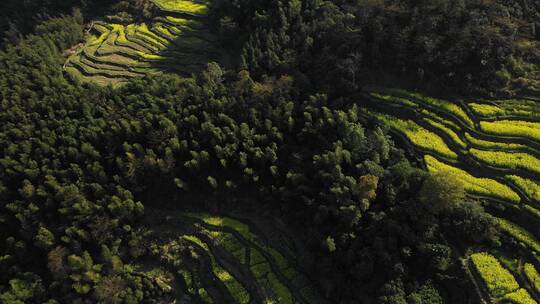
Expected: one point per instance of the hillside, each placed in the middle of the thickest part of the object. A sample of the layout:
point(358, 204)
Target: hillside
point(176, 40)
point(489, 144)
point(277, 151)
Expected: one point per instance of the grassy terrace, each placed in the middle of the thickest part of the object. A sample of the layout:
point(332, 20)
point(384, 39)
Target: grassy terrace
point(448, 132)
point(480, 186)
point(506, 160)
point(503, 108)
point(280, 280)
point(501, 284)
point(492, 147)
point(515, 128)
point(499, 281)
point(218, 259)
point(529, 187)
point(183, 6)
point(114, 53)
point(419, 137)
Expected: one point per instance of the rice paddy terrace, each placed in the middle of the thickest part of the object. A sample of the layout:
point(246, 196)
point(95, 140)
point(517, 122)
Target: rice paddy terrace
point(494, 147)
point(204, 258)
point(176, 40)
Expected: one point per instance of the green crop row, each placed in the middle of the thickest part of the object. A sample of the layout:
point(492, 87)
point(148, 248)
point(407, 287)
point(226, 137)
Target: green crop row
point(519, 234)
point(499, 281)
point(236, 289)
point(420, 137)
point(262, 271)
point(282, 294)
point(138, 45)
point(416, 98)
point(492, 144)
point(437, 118)
point(260, 266)
point(101, 80)
point(441, 127)
point(520, 296)
point(228, 242)
point(143, 30)
point(446, 105)
point(481, 186)
point(508, 160)
point(219, 221)
point(437, 103)
point(245, 231)
point(414, 105)
point(532, 276)
point(395, 99)
point(529, 187)
point(486, 109)
point(164, 32)
point(184, 6)
point(533, 211)
point(93, 40)
point(90, 70)
point(516, 128)
point(520, 108)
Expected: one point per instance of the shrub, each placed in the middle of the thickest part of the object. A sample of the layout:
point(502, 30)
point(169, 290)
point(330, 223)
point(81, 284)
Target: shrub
point(442, 190)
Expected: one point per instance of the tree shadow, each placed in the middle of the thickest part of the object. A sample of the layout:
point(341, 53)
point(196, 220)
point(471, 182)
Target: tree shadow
point(193, 42)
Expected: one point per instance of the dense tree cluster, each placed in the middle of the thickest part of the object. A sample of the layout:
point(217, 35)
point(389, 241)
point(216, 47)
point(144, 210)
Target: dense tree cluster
point(479, 46)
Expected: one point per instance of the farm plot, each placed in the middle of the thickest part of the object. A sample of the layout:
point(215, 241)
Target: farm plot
point(494, 148)
point(499, 156)
point(219, 259)
point(176, 41)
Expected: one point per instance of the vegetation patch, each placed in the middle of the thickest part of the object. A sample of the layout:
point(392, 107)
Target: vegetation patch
point(529, 187)
point(480, 186)
point(520, 296)
point(156, 43)
point(525, 129)
point(499, 281)
point(532, 276)
point(520, 234)
point(515, 161)
point(420, 137)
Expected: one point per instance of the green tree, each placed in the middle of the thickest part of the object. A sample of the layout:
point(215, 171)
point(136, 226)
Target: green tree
point(442, 191)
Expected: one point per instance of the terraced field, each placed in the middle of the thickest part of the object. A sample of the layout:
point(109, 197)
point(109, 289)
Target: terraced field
point(215, 259)
point(493, 146)
point(177, 40)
